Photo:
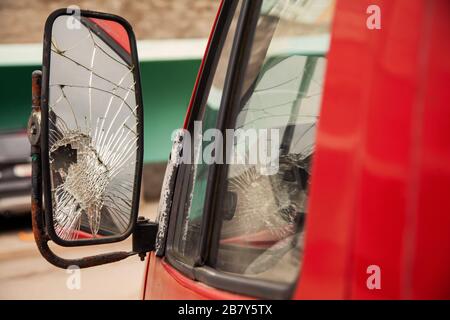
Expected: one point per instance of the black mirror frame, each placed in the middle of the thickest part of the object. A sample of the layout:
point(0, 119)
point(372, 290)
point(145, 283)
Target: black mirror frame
point(44, 130)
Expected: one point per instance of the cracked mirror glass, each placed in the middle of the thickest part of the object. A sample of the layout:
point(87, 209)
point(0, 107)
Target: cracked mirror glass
point(92, 128)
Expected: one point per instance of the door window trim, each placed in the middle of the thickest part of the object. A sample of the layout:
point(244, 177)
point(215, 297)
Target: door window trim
point(184, 174)
point(240, 56)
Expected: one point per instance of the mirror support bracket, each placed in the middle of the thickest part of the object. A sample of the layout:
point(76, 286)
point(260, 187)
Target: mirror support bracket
point(144, 237)
point(37, 214)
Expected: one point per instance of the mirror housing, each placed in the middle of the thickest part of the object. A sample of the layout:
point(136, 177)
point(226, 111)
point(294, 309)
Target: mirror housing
point(82, 160)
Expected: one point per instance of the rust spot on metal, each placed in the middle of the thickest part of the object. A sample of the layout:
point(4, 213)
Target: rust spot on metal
point(34, 122)
point(36, 85)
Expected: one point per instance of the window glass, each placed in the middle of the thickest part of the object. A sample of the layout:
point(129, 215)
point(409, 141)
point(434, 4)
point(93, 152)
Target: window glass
point(187, 232)
point(264, 211)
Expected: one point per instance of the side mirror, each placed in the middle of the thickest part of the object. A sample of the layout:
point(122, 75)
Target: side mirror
point(87, 137)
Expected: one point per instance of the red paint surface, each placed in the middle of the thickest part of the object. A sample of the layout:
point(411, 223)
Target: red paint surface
point(262, 239)
point(116, 31)
point(166, 283)
point(84, 235)
point(381, 175)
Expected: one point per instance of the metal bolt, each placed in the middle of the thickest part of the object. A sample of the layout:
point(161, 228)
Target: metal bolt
point(33, 129)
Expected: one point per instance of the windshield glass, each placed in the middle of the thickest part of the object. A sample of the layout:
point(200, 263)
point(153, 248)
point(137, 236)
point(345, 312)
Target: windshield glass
point(264, 212)
point(260, 218)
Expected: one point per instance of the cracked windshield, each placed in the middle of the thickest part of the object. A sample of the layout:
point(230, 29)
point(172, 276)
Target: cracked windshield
point(263, 223)
point(261, 215)
point(93, 138)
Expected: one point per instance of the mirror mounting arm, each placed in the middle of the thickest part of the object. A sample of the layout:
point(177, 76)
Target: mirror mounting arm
point(144, 237)
point(39, 231)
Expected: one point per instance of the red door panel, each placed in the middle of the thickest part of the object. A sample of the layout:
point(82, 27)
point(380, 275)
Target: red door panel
point(381, 177)
point(429, 272)
point(165, 283)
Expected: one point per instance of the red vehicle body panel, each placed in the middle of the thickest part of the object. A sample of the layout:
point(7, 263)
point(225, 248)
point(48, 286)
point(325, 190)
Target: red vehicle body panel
point(116, 31)
point(379, 183)
point(381, 179)
point(166, 283)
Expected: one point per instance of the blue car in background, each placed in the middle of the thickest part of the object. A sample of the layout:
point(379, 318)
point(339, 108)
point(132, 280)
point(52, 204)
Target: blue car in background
point(15, 172)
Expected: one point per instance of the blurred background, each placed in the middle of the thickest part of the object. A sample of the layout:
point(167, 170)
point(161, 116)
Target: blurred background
point(172, 36)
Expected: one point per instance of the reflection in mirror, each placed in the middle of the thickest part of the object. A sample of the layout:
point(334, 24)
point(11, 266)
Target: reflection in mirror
point(93, 128)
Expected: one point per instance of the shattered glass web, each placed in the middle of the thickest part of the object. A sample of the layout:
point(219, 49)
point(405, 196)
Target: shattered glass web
point(100, 181)
point(272, 203)
point(260, 196)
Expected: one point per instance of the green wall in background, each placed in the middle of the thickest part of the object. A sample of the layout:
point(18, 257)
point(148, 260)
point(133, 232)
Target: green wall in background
point(166, 86)
point(15, 92)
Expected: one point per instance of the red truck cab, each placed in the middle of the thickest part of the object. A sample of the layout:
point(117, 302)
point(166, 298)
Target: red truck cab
point(357, 92)
point(377, 199)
